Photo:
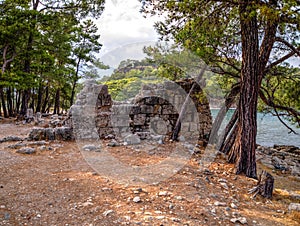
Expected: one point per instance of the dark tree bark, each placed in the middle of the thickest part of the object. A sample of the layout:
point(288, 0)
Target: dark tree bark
point(243, 150)
point(57, 102)
point(230, 132)
point(46, 100)
point(9, 102)
point(74, 84)
point(230, 99)
point(18, 101)
point(227, 146)
point(25, 101)
point(5, 113)
point(39, 98)
point(73, 93)
point(32, 102)
point(27, 65)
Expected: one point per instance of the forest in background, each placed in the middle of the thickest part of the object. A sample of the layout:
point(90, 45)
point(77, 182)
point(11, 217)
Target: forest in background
point(46, 47)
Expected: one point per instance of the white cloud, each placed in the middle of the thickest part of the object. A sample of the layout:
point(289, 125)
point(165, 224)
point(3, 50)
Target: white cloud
point(132, 51)
point(121, 24)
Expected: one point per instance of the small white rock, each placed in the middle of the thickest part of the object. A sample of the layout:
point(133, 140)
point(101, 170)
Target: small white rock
point(158, 212)
point(232, 205)
point(160, 217)
point(222, 180)
point(242, 220)
point(107, 212)
point(87, 203)
point(179, 198)
point(224, 185)
point(217, 203)
point(163, 193)
point(213, 211)
point(136, 199)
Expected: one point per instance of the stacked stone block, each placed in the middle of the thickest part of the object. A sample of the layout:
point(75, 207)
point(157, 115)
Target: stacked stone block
point(154, 111)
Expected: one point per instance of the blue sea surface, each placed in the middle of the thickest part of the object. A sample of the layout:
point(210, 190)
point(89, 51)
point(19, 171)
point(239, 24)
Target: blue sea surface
point(270, 130)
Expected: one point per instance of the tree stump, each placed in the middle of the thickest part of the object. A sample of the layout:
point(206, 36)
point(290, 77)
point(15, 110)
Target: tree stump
point(265, 185)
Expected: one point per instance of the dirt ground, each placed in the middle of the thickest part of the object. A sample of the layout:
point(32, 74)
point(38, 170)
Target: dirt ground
point(58, 187)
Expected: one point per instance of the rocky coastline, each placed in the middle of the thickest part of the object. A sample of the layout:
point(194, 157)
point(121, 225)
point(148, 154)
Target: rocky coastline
point(284, 159)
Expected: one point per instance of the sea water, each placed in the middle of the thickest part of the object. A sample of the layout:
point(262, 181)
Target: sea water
point(270, 130)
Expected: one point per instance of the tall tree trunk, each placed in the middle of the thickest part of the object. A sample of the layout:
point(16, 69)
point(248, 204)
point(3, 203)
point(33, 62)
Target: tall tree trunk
point(56, 103)
point(243, 150)
point(18, 101)
point(32, 100)
point(73, 93)
point(25, 101)
point(74, 84)
point(39, 98)
point(5, 114)
point(27, 64)
point(230, 99)
point(9, 102)
point(228, 137)
point(46, 100)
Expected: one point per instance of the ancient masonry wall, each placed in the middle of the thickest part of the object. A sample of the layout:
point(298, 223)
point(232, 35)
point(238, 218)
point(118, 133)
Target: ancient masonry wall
point(154, 111)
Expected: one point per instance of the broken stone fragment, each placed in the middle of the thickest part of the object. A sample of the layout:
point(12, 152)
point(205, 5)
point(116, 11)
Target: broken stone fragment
point(11, 138)
point(294, 207)
point(132, 139)
point(26, 150)
point(91, 147)
point(241, 220)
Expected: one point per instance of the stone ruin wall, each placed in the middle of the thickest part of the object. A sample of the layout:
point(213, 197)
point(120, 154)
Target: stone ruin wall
point(154, 111)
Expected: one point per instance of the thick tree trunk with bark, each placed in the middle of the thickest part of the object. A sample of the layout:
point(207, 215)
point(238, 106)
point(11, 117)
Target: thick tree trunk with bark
point(5, 113)
point(73, 93)
point(46, 100)
point(57, 102)
point(74, 84)
point(39, 98)
point(18, 101)
point(243, 150)
point(230, 132)
point(25, 101)
point(10, 102)
point(230, 99)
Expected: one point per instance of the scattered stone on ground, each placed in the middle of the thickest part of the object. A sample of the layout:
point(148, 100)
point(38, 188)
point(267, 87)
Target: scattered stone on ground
point(17, 145)
point(26, 150)
point(132, 139)
point(280, 158)
point(241, 220)
point(91, 147)
point(11, 138)
point(294, 207)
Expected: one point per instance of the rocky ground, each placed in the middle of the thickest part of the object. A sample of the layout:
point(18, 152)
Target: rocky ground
point(50, 183)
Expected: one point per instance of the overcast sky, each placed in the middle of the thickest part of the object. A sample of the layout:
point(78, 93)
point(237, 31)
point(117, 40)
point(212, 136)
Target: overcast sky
point(122, 25)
